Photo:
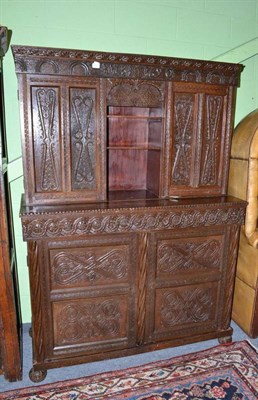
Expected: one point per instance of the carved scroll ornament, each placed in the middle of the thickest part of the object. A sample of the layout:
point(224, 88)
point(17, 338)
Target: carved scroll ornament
point(55, 226)
point(76, 62)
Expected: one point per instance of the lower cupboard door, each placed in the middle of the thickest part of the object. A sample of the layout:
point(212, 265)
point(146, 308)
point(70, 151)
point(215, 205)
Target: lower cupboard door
point(92, 325)
point(186, 283)
point(92, 295)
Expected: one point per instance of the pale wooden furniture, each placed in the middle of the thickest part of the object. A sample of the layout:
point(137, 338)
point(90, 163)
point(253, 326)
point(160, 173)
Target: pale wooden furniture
point(243, 183)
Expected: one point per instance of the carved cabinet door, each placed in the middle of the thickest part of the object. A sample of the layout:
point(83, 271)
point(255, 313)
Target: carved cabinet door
point(88, 296)
point(63, 139)
point(187, 276)
point(199, 140)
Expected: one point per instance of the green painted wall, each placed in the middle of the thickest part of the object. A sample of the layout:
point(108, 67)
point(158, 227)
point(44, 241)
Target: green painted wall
point(202, 29)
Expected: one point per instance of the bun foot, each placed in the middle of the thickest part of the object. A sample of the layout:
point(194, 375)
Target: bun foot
point(225, 339)
point(37, 376)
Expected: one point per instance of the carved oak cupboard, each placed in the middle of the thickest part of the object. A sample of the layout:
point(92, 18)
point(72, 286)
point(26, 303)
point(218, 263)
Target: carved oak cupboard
point(132, 241)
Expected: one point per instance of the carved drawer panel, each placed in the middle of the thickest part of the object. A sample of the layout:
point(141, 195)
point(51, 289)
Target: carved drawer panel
point(187, 308)
point(89, 266)
point(91, 322)
point(189, 256)
point(102, 261)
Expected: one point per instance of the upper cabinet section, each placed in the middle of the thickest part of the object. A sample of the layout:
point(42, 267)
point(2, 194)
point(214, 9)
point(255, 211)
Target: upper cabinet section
point(201, 123)
point(105, 126)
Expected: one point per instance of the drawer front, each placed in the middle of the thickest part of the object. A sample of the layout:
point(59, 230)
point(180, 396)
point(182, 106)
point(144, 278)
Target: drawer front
point(90, 266)
point(188, 257)
point(92, 294)
point(184, 282)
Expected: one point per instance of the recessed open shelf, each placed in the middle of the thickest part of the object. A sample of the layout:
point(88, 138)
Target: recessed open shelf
point(115, 195)
point(133, 151)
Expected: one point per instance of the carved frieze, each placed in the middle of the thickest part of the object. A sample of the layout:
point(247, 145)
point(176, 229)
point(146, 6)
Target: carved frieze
point(83, 63)
point(37, 227)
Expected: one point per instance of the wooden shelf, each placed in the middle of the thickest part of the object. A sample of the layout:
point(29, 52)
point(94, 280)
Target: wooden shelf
point(115, 195)
point(133, 148)
point(146, 117)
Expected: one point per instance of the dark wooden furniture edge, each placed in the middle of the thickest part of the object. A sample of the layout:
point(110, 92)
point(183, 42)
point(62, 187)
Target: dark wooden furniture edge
point(53, 61)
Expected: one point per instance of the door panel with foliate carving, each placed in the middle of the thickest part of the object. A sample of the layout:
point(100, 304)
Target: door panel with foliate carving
point(92, 294)
point(185, 282)
point(64, 140)
point(199, 140)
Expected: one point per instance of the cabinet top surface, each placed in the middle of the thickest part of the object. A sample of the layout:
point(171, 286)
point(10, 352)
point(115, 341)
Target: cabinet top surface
point(133, 205)
point(55, 61)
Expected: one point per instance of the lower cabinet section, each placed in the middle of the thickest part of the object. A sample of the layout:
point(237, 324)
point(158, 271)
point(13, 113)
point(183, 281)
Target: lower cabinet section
point(109, 295)
point(186, 282)
point(92, 298)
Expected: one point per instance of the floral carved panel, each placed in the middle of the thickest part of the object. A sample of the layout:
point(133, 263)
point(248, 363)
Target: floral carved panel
point(90, 320)
point(89, 266)
point(188, 305)
point(46, 138)
point(188, 255)
point(83, 137)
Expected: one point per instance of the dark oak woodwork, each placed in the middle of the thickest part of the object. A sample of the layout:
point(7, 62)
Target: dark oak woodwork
point(10, 313)
point(132, 240)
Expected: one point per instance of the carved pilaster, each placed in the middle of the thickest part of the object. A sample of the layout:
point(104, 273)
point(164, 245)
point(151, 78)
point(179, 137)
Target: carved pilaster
point(36, 300)
point(229, 282)
point(142, 287)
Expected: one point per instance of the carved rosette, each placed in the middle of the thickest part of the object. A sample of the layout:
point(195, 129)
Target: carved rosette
point(40, 226)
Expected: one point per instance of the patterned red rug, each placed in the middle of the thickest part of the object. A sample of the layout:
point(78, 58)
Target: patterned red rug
point(228, 372)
